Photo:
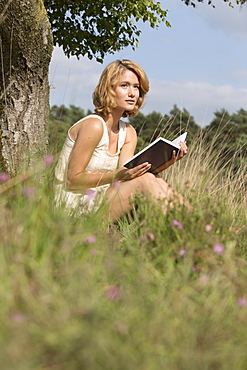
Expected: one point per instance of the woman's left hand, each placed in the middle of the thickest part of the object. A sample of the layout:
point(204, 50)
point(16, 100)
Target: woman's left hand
point(182, 152)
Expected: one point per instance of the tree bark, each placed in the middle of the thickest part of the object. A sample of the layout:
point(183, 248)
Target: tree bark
point(25, 52)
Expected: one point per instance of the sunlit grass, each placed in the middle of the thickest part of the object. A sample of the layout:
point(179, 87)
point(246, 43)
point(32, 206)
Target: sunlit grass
point(152, 292)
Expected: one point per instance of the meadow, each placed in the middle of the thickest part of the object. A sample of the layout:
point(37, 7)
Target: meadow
point(150, 292)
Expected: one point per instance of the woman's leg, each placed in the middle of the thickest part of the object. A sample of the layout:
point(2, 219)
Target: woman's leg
point(152, 187)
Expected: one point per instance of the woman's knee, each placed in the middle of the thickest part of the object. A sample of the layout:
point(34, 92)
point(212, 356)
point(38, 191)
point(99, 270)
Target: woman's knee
point(147, 180)
point(150, 184)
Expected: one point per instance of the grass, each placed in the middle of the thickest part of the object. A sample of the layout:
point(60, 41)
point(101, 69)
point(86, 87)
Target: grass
point(159, 292)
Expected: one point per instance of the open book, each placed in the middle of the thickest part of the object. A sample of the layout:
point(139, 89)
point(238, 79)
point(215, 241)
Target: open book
point(157, 153)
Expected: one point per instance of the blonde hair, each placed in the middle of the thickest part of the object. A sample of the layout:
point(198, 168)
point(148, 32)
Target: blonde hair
point(104, 95)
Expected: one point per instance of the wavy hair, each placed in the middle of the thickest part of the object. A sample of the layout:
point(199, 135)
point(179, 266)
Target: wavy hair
point(104, 94)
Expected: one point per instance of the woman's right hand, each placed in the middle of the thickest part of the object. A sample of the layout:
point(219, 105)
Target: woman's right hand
point(125, 174)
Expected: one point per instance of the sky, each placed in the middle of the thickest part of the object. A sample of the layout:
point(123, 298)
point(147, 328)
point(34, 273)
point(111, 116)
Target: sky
point(199, 64)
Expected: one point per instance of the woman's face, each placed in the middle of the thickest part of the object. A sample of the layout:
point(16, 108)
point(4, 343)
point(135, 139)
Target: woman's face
point(127, 91)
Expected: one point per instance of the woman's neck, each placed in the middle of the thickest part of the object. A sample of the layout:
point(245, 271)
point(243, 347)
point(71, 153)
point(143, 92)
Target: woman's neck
point(112, 120)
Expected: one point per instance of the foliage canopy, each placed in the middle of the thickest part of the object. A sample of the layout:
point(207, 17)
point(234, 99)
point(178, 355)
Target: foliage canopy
point(94, 28)
point(210, 2)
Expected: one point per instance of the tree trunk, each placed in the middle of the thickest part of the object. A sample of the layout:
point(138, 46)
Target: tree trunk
point(25, 54)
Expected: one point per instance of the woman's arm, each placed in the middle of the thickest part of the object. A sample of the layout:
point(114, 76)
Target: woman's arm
point(87, 137)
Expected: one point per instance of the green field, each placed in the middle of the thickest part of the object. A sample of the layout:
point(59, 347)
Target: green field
point(151, 292)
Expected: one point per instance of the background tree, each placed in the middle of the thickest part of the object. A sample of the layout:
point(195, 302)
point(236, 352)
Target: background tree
point(82, 28)
point(229, 136)
point(25, 51)
point(155, 124)
point(182, 120)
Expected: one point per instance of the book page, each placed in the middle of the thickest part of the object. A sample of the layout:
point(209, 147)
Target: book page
point(180, 138)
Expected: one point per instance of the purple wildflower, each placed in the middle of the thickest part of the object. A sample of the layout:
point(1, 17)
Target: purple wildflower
point(150, 236)
point(194, 268)
point(182, 252)
point(91, 194)
point(29, 191)
point(208, 187)
point(177, 224)
point(18, 317)
point(4, 177)
point(48, 160)
point(91, 239)
point(218, 248)
point(113, 293)
point(208, 228)
point(94, 251)
point(242, 302)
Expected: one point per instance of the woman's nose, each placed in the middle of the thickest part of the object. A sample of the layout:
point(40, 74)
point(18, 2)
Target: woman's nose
point(131, 91)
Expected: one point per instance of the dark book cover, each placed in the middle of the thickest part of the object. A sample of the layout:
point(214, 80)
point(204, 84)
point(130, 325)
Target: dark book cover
point(157, 153)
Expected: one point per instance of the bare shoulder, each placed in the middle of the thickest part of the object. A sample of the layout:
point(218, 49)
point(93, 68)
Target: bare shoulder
point(91, 126)
point(130, 132)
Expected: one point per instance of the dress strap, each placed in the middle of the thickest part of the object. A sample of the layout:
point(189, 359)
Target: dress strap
point(122, 134)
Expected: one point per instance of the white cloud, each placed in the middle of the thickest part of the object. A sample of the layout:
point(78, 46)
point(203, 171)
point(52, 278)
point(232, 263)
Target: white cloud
point(74, 83)
point(233, 21)
point(230, 20)
point(200, 98)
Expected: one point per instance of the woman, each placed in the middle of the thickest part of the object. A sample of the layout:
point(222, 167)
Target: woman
point(90, 168)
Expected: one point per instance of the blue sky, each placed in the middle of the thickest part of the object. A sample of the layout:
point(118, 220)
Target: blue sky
point(199, 64)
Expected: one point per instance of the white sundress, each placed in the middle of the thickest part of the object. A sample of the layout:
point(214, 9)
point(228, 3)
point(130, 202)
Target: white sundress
point(101, 161)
